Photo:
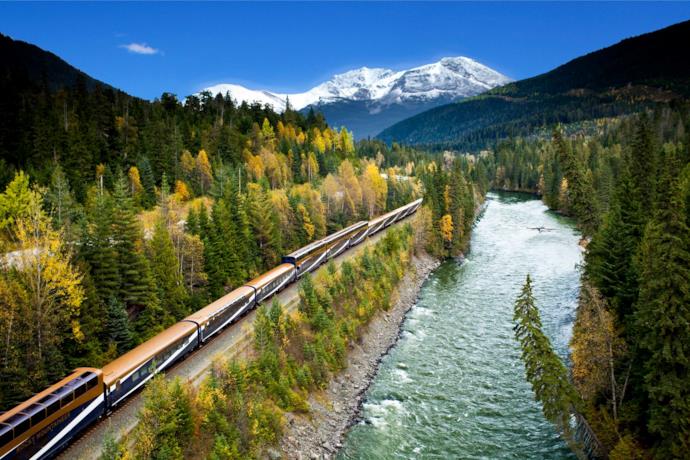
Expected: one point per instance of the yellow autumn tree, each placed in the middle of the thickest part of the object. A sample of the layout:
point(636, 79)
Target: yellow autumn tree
point(203, 171)
point(332, 194)
point(53, 286)
point(307, 225)
point(317, 140)
point(255, 166)
point(181, 191)
point(374, 190)
point(346, 142)
point(134, 181)
point(352, 199)
point(446, 228)
point(310, 167)
point(187, 164)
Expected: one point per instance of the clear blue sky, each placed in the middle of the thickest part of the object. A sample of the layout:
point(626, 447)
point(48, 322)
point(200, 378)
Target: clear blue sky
point(293, 46)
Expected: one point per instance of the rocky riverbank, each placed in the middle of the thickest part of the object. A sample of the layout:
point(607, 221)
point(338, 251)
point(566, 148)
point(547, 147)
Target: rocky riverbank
point(318, 434)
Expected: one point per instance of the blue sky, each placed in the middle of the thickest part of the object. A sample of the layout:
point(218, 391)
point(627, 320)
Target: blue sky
point(182, 47)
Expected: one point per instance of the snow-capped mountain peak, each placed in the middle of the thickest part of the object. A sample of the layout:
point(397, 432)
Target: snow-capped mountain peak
point(450, 78)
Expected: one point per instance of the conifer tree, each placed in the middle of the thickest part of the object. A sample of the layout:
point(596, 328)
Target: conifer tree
point(581, 194)
point(117, 325)
point(61, 202)
point(663, 315)
point(148, 182)
point(543, 368)
point(192, 224)
point(98, 249)
point(264, 225)
point(172, 294)
point(136, 289)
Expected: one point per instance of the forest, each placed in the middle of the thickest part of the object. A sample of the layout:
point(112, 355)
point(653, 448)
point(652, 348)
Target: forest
point(628, 188)
point(119, 216)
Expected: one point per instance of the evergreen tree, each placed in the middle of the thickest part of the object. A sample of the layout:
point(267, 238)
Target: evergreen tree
point(264, 226)
point(192, 224)
point(166, 272)
point(543, 368)
point(663, 316)
point(148, 182)
point(98, 249)
point(136, 289)
point(581, 194)
point(61, 202)
point(117, 326)
point(611, 257)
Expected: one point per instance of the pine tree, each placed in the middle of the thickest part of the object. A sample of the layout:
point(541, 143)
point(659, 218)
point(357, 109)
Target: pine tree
point(663, 316)
point(192, 224)
point(172, 294)
point(98, 249)
point(611, 257)
point(264, 225)
point(148, 182)
point(117, 325)
point(581, 194)
point(136, 289)
point(543, 368)
point(61, 202)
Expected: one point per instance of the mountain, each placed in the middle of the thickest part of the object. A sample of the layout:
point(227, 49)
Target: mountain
point(620, 79)
point(27, 63)
point(367, 100)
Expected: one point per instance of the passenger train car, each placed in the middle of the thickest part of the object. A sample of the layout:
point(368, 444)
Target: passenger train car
point(42, 426)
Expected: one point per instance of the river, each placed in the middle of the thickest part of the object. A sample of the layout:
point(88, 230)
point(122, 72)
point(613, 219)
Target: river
point(453, 387)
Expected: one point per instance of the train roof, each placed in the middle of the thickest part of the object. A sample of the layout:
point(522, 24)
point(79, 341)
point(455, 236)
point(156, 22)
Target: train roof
point(346, 230)
point(270, 275)
point(147, 350)
point(78, 372)
point(318, 243)
point(211, 309)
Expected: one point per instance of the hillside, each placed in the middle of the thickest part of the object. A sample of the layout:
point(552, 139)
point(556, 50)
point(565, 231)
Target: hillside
point(616, 80)
point(24, 63)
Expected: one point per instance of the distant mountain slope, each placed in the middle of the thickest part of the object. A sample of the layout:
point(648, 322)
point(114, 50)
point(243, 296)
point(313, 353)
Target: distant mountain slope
point(367, 100)
point(614, 80)
point(27, 63)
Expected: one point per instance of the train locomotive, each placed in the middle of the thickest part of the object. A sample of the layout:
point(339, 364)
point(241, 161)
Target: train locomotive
point(45, 424)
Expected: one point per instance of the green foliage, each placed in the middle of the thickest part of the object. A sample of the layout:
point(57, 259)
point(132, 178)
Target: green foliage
point(165, 422)
point(166, 273)
point(240, 406)
point(544, 369)
point(662, 315)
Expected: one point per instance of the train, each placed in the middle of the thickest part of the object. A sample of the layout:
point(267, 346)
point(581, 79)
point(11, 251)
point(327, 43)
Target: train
point(44, 425)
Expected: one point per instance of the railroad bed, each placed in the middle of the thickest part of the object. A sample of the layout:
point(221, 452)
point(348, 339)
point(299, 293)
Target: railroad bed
point(234, 342)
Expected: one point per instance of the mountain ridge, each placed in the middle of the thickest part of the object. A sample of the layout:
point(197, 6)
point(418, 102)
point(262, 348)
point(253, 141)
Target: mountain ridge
point(615, 80)
point(367, 99)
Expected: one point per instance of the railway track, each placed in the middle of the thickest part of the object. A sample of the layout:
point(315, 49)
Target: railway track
point(233, 342)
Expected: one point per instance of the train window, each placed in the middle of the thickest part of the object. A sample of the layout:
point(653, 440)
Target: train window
point(5, 434)
point(80, 390)
point(51, 403)
point(65, 394)
point(19, 422)
point(91, 380)
point(36, 412)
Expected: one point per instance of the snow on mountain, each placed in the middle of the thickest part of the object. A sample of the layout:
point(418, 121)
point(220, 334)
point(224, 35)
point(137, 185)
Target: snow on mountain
point(448, 79)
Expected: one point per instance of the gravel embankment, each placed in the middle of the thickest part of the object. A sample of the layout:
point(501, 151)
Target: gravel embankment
point(319, 434)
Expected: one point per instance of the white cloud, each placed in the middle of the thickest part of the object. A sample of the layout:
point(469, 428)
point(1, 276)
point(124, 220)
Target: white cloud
point(140, 48)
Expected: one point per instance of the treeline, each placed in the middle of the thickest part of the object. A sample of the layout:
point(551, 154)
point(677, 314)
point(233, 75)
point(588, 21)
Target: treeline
point(158, 224)
point(629, 189)
point(450, 204)
point(237, 412)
